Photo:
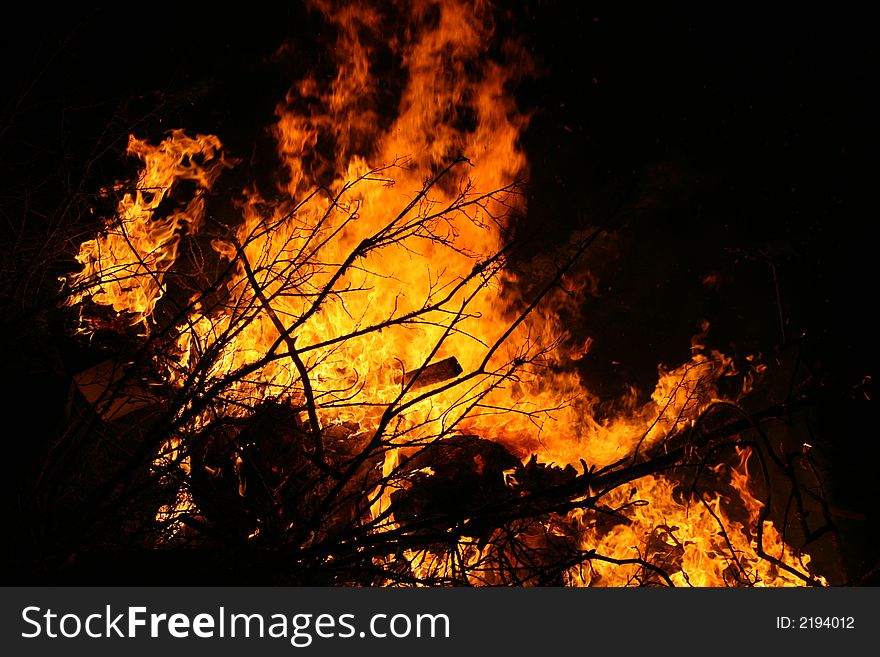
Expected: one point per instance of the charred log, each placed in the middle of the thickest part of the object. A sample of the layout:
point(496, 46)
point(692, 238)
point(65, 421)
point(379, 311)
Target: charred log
point(432, 374)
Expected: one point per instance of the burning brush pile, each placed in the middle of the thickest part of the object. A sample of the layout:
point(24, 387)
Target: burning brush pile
point(349, 381)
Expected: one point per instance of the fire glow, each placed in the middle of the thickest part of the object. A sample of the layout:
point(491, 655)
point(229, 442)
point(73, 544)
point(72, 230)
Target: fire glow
point(373, 299)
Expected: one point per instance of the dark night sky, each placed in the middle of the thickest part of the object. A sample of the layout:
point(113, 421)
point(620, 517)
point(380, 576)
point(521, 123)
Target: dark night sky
point(726, 140)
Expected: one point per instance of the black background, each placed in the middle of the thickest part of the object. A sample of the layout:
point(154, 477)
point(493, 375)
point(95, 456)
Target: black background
point(729, 141)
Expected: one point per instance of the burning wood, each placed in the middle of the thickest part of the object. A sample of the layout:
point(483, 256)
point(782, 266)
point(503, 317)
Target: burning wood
point(381, 487)
point(432, 374)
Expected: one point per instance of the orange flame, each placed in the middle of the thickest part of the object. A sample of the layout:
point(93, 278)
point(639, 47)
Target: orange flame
point(125, 267)
point(703, 542)
point(356, 276)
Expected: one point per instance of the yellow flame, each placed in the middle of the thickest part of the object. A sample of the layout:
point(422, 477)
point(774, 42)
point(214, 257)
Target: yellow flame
point(125, 267)
point(354, 247)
